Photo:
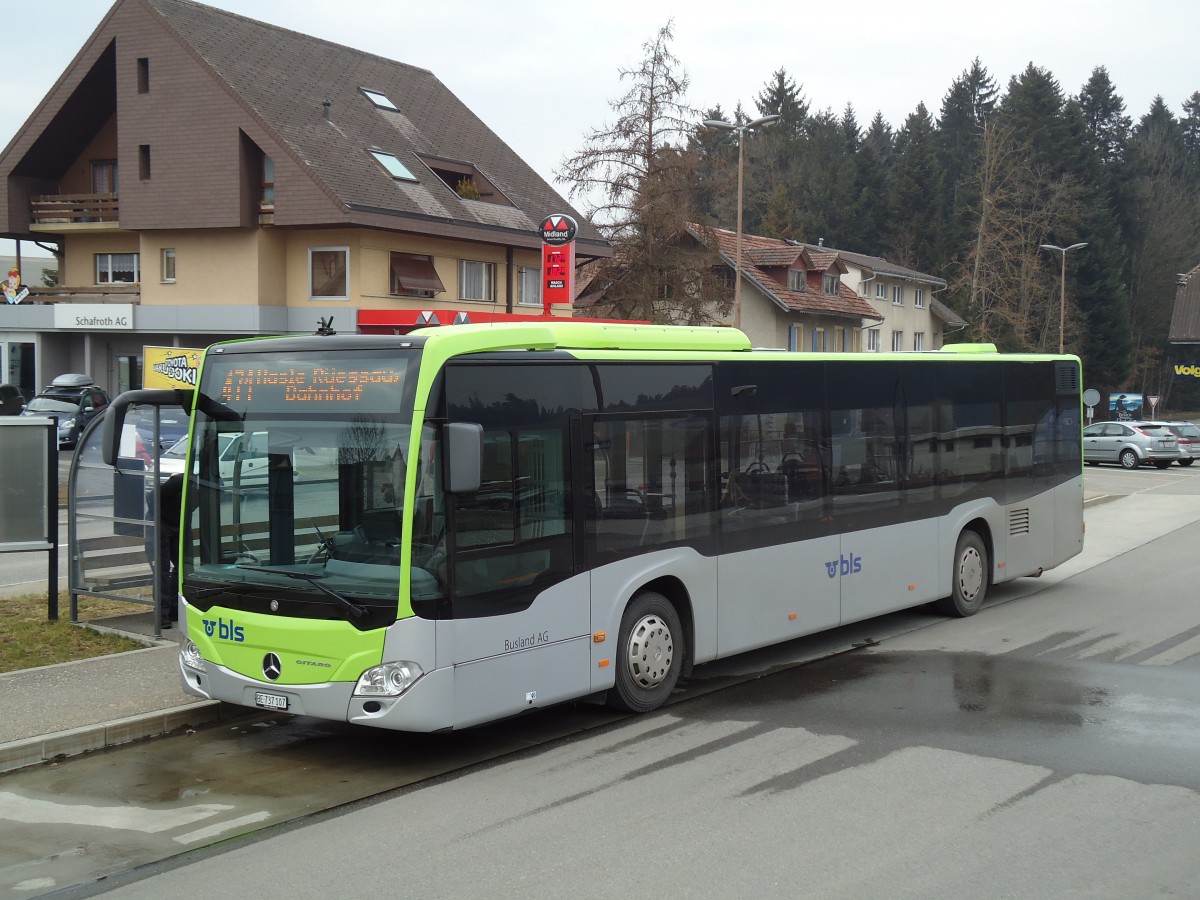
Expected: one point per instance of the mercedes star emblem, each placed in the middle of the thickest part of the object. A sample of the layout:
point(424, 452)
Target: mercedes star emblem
point(272, 667)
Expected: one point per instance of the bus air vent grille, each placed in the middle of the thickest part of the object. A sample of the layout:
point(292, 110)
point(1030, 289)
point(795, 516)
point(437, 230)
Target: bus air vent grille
point(1018, 521)
point(1066, 378)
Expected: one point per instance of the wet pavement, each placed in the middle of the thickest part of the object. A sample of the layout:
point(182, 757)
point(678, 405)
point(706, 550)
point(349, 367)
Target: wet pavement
point(1091, 672)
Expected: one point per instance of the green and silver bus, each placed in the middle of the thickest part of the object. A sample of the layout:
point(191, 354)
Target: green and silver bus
point(455, 525)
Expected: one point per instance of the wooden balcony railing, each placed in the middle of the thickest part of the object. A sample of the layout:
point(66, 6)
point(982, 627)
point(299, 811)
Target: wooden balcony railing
point(73, 209)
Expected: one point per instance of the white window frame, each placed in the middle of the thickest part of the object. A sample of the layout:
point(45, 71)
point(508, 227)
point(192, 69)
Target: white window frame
point(919, 298)
point(345, 251)
point(168, 265)
point(829, 284)
point(485, 269)
point(797, 280)
point(918, 340)
point(897, 295)
point(104, 267)
point(872, 340)
point(529, 277)
point(897, 341)
point(880, 290)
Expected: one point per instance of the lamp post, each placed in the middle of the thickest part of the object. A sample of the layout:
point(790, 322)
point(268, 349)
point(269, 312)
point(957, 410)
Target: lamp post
point(1062, 286)
point(741, 133)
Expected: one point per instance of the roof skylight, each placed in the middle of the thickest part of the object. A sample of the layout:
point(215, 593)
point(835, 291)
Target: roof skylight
point(379, 99)
point(394, 167)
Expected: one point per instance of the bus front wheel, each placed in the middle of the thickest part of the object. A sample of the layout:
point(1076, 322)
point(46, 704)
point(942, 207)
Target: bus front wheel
point(969, 579)
point(649, 654)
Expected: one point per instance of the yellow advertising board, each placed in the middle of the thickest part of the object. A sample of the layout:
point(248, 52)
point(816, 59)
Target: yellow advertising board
point(170, 367)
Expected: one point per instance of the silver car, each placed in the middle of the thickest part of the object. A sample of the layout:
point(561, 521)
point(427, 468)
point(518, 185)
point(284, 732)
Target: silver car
point(1188, 434)
point(1130, 444)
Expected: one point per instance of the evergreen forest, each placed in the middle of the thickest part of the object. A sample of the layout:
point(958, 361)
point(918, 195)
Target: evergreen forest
point(968, 192)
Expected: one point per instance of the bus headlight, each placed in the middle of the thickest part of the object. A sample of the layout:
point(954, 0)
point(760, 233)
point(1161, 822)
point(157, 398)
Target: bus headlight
point(389, 680)
point(189, 655)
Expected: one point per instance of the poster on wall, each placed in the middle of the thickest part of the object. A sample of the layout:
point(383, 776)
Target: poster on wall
point(170, 367)
point(1125, 407)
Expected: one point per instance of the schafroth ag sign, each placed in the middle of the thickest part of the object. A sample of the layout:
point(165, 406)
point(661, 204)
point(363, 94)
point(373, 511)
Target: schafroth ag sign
point(94, 316)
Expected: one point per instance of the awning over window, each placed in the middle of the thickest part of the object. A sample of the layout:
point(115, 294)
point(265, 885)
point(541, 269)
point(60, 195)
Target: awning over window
point(416, 273)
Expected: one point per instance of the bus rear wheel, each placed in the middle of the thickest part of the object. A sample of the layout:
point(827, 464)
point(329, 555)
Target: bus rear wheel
point(969, 578)
point(649, 654)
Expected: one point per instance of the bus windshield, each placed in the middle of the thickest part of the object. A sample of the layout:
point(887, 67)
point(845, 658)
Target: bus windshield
point(296, 501)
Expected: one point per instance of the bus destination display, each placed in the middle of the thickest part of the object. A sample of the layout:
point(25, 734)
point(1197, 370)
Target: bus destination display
point(373, 387)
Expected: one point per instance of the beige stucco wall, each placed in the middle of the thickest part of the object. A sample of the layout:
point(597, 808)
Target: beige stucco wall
point(79, 264)
point(369, 268)
point(907, 318)
point(270, 267)
point(213, 267)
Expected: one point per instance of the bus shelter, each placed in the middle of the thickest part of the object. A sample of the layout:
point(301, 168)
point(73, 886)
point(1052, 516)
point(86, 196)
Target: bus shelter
point(112, 533)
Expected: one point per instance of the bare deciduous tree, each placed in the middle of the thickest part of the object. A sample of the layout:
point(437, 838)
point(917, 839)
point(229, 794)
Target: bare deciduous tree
point(1013, 295)
point(636, 179)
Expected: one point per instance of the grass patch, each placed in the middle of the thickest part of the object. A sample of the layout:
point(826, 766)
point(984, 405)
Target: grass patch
point(30, 640)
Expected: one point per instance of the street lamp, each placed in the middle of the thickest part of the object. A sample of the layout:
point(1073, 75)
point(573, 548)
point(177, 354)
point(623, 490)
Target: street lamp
point(741, 133)
point(1062, 287)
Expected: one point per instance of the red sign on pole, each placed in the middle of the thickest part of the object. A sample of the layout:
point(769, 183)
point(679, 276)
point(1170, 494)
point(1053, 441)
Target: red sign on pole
point(558, 260)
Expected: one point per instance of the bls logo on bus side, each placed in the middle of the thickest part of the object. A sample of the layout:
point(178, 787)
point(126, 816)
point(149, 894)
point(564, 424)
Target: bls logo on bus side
point(225, 631)
point(844, 566)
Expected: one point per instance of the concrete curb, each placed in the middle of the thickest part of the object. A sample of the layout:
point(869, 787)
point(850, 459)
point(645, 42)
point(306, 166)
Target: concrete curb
point(59, 745)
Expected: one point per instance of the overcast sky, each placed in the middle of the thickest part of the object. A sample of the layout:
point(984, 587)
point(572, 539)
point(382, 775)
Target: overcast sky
point(543, 74)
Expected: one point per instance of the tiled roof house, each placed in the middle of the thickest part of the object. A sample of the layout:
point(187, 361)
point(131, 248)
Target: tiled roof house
point(792, 297)
point(215, 176)
point(912, 318)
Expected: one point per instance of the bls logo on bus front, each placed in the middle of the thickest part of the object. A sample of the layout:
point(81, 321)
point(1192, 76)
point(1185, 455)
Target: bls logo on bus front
point(225, 631)
point(844, 566)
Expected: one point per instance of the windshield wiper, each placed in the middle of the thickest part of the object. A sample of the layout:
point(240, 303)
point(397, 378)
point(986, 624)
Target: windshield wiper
point(315, 580)
point(227, 589)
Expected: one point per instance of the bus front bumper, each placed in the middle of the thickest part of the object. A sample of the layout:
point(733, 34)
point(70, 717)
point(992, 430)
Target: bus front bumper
point(426, 706)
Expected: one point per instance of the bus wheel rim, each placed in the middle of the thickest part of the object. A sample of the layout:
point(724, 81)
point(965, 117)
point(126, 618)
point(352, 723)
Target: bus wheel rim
point(651, 651)
point(970, 574)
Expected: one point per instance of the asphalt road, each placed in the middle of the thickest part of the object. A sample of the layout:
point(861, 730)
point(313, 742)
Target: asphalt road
point(1045, 747)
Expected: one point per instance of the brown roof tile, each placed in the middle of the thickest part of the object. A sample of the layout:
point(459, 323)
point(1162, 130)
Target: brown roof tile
point(283, 77)
point(813, 298)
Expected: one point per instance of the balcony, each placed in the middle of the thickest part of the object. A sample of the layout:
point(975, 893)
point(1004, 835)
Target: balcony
point(74, 212)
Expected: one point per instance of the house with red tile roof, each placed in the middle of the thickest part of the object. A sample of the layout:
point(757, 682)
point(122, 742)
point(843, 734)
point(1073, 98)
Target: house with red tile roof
point(809, 297)
point(912, 318)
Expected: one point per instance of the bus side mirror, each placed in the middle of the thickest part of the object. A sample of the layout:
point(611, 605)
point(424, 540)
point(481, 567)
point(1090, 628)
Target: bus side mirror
point(462, 457)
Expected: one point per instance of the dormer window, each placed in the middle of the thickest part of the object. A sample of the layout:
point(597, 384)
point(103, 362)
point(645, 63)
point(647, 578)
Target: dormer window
point(830, 284)
point(394, 167)
point(466, 180)
point(380, 100)
point(796, 279)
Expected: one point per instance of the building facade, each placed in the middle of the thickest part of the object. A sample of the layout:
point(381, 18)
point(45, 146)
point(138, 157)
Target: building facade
point(206, 176)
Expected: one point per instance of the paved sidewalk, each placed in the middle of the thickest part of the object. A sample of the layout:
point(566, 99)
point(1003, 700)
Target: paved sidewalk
point(61, 710)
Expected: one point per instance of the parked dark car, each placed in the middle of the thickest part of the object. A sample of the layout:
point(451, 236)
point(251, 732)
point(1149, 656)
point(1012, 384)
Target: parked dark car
point(72, 401)
point(11, 400)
